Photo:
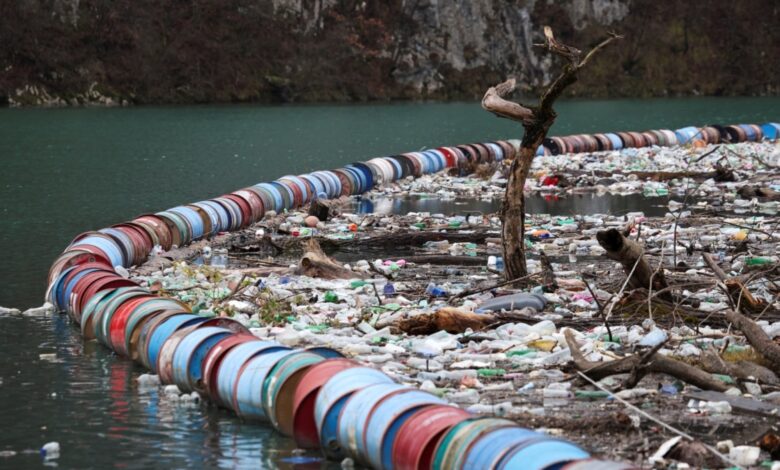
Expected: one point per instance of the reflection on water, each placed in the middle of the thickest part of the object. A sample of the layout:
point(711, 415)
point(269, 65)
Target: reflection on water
point(568, 205)
point(89, 401)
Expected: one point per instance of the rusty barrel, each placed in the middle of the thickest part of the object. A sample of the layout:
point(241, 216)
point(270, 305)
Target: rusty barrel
point(418, 436)
point(248, 397)
point(331, 399)
point(305, 397)
point(278, 389)
point(354, 416)
point(385, 420)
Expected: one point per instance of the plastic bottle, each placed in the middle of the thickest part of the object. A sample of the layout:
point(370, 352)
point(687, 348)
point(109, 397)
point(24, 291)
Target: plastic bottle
point(435, 291)
point(331, 297)
point(50, 450)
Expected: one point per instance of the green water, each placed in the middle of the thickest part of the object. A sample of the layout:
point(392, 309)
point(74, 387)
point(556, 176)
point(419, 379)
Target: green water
point(65, 171)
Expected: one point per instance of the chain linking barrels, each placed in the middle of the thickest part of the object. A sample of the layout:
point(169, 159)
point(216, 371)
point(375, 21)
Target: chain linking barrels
point(315, 395)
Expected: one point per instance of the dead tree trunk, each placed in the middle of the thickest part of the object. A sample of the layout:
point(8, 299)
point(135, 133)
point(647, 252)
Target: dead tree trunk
point(536, 121)
point(631, 255)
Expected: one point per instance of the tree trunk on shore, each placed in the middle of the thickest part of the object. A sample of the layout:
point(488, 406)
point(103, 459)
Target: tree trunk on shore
point(536, 121)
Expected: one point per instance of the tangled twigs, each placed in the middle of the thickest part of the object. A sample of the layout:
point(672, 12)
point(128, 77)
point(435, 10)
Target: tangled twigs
point(655, 363)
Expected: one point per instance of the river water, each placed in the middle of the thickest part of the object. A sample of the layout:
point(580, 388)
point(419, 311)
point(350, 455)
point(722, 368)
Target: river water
point(65, 171)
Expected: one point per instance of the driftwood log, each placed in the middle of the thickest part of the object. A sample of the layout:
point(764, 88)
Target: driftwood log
point(315, 263)
point(630, 364)
point(456, 321)
point(743, 370)
point(739, 294)
point(757, 338)
point(630, 255)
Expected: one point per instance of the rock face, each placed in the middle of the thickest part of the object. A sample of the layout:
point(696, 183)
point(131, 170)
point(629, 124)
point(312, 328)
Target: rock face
point(76, 52)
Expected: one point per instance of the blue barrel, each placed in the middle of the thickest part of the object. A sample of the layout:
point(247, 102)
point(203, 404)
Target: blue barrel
point(398, 171)
point(287, 195)
point(427, 161)
point(275, 194)
point(615, 140)
point(385, 421)
point(124, 242)
point(332, 397)
point(486, 451)
point(189, 355)
point(541, 453)
point(217, 214)
point(365, 171)
point(355, 414)
point(430, 165)
point(105, 244)
point(497, 151)
point(225, 212)
point(63, 292)
point(317, 183)
point(164, 331)
point(441, 158)
point(686, 134)
point(358, 178)
point(770, 130)
point(248, 395)
point(332, 183)
point(56, 290)
point(236, 216)
point(227, 374)
point(750, 132)
point(194, 220)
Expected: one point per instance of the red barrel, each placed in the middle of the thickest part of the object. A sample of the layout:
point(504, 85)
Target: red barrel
point(119, 321)
point(417, 437)
point(304, 425)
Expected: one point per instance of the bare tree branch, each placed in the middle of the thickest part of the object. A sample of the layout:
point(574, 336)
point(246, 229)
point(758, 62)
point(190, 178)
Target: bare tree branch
point(612, 36)
point(494, 102)
point(572, 54)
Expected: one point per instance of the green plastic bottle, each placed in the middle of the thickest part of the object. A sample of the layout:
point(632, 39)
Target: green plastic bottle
point(331, 297)
point(757, 261)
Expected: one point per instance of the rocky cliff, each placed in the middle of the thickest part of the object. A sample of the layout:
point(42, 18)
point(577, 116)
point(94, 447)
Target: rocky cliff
point(71, 52)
